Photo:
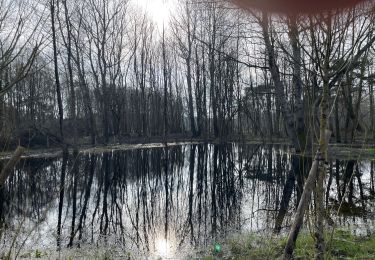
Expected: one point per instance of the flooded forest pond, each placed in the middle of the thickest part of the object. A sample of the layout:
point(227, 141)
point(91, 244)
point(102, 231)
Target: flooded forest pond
point(170, 202)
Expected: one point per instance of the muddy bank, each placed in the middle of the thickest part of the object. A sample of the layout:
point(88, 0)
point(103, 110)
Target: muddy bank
point(355, 151)
point(51, 153)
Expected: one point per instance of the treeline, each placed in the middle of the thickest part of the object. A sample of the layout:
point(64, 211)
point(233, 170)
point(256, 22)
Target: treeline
point(98, 71)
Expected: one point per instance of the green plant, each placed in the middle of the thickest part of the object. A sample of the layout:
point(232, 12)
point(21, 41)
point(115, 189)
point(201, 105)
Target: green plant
point(38, 254)
point(344, 245)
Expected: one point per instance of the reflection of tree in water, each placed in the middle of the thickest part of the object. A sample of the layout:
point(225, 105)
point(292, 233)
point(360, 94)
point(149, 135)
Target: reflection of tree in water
point(30, 189)
point(185, 195)
point(354, 188)
point(185, 201)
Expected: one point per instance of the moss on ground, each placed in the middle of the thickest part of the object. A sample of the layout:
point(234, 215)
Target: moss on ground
point(344, 245)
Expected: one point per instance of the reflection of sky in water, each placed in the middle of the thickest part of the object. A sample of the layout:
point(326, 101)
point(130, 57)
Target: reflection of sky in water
point(232, 190)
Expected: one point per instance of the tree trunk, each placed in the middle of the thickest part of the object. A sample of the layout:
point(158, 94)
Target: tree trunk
point(72, 102)
point(372, 118)
point(304, 202)
point(61, 196)
point(57, 79)
point(279, 87)
point(337, 121)
point(165, 77)
point(190, 97)
point(302, 206)
point(297, 83)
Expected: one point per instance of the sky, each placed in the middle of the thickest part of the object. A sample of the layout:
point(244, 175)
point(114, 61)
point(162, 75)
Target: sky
point(159, 11)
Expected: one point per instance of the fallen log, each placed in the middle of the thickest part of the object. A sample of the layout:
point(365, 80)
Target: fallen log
point(304, 201)
point(7, 170)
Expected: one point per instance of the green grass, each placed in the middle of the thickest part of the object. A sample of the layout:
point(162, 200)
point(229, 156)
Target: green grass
point(344, 245)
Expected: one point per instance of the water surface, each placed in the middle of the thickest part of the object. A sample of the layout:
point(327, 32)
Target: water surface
point(170, 202)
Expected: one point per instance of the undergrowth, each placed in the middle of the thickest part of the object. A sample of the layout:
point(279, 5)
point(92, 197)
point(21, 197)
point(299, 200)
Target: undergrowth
point(344, 245)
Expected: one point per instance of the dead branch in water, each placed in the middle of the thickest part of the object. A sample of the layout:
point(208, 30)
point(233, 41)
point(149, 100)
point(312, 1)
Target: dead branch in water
point(6, 171)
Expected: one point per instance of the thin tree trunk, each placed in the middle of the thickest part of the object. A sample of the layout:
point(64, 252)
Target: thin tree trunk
point(304, 202)
point(73, 112)
point(57, 79)
point(372, 118)
point(297, 83)
point(61, 197)
point(165, 88)
point(337, 122)
point(323, 144)
point(189, 81)
point(75, 181)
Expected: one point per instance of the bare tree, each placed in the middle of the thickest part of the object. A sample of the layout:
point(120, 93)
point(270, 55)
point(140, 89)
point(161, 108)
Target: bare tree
point(53, 5)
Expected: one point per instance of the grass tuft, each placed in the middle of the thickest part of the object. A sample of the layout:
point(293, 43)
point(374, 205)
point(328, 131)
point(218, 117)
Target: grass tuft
point(344, 245)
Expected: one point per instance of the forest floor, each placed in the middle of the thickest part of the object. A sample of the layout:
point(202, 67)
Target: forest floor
point(356, 151)
point(341, 245)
